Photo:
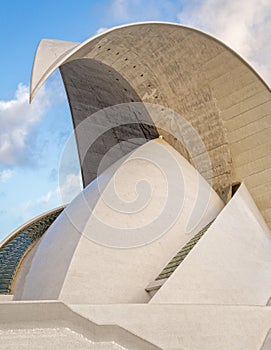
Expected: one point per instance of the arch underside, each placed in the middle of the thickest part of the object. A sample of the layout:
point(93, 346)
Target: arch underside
point(190, 73)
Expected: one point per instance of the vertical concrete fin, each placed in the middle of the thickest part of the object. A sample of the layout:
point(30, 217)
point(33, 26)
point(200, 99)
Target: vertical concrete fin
point(48, 54)
point(230, 265)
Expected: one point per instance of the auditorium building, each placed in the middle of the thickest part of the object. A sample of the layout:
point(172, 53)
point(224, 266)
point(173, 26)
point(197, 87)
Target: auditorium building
point(168, 246)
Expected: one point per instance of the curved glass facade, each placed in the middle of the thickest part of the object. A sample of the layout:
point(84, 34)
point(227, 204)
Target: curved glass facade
point(14, 249)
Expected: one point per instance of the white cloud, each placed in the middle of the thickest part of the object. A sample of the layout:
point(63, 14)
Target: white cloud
point(70, 188)
point(120, 9)
point(244, 25)
point(18, 119)
point(101, 30)
point(5, 175)
point(45, 198)
point(66, 192)
point(23, 210)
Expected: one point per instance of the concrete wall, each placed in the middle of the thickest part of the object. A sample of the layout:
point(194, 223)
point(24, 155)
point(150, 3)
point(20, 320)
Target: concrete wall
point(53, 325)
point(229, 265)
point(92, 87)
point(207, 84)
point(141, 326)
point(188, 327)
point(120, 232)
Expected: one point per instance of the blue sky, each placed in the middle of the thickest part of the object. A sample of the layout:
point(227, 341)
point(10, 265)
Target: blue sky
point(32, 137)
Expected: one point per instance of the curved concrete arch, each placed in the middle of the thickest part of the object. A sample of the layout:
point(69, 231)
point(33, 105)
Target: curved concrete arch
point(48, 51)
point(61, 56)
point(206, 83)
point(93, 86)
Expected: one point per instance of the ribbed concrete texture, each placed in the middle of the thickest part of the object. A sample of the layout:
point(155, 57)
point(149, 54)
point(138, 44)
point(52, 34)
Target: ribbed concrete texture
point(168, 246)
point(200, 79)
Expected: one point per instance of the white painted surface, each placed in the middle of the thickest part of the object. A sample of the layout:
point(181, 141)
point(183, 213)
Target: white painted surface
point(71, 265)
point(230, 264)
point(48, 53)
point(187, 327)
point(53, 325)
point(175, 326)
point(6, 297)
point(50, 338)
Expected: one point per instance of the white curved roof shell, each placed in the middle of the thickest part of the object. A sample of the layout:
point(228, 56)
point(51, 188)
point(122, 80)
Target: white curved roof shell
point(80, 258)
point(187, 71)
point(144, 198)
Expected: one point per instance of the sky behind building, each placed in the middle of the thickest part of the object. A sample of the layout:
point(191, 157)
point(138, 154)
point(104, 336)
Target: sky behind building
point(32, 137)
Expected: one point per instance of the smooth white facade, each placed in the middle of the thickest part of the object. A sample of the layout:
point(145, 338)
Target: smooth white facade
point(230, 265)
point(86, 265)
point(113, 240)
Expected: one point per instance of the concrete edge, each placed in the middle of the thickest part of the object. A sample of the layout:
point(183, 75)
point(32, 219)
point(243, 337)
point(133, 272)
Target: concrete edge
point(51, 314)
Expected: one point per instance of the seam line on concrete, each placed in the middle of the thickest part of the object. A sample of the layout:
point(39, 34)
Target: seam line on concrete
point(243, 100)
point(246, 137)
point(246, 111)
point(252, 122)
point(235, 93)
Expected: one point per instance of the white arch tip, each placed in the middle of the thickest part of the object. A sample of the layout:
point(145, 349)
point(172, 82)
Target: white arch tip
point(48, 53)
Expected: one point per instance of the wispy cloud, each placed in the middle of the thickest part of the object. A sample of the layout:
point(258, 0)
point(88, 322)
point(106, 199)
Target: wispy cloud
point(5, 175)
point(70, 188)
point(244, 25)
point(45, 198)
point(101, 30)
point(53, 175)
point(18, 119)
point(67, 191)
point(120, 9)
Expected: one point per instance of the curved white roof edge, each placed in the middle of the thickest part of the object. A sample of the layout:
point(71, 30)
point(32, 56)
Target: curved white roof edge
point(53, 50)
point(129, 246)
point(62, 58)
point(13, 233)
